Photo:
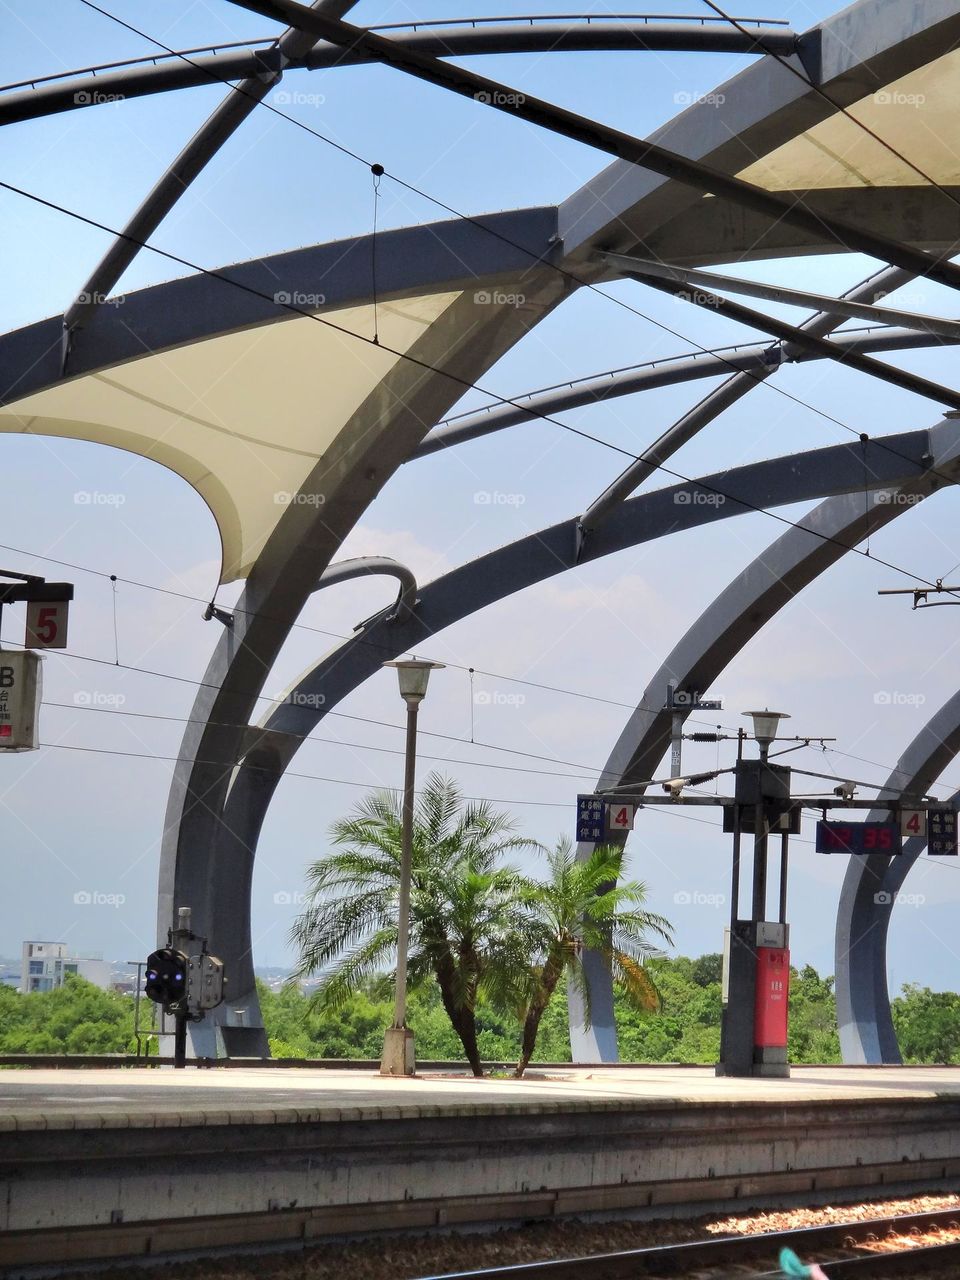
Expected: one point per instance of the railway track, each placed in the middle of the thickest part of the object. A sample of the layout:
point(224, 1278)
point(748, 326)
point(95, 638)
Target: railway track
point(830, 1245)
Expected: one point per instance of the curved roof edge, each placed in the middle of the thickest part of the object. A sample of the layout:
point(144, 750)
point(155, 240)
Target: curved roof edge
point(431, 258)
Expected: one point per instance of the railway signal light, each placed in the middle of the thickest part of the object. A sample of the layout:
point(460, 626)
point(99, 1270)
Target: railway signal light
point(166, 977)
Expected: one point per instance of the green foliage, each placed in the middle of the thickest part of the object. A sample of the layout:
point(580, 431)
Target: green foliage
point(77, 1018)
point(686, 1028)
point(927, 1024)
point(462, 897)
point(586, 906)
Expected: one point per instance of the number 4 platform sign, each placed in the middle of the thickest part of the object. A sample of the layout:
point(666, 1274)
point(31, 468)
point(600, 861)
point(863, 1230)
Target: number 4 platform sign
point(596, 818)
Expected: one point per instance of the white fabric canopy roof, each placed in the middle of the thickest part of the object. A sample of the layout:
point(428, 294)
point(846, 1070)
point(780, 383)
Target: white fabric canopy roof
point(915, 114)
point(242, 417)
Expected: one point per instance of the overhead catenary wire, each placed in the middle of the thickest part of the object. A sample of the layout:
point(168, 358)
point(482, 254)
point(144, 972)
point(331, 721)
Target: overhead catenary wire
point(472, 670)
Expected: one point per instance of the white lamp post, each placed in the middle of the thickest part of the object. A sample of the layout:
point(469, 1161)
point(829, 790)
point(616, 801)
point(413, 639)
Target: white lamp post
point(399, 1058)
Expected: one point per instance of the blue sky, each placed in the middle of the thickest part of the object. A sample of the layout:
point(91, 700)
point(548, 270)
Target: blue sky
point(76, 821)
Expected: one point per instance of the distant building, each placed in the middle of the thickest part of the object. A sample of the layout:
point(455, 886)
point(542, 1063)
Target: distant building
point(45, 966)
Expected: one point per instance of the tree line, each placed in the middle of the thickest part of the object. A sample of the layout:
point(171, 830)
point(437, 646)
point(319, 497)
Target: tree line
point(492, 954)
point(80, 1018)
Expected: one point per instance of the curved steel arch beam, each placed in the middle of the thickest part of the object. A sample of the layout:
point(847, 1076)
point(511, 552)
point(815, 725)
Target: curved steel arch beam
point(747, 604)
point(363, 567)
point(189, 164)
point(85, 87)
point(734, 389)
point(756, 361)
point(865, 1023)
point(850, 55)
point(435, 257)
point(265, 751)
point(642, 153)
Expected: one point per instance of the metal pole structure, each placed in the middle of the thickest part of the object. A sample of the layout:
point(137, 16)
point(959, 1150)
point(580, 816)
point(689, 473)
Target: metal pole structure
point(406, 862)
point(735, 870)
point(759, 911)
point(180, 1040)
point(676, 745)
point(784, 846)
point(180, 938)
point(399, 1055)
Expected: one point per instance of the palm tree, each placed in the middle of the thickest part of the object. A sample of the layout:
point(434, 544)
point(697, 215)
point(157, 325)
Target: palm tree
point(582, 906)
point(463, 903)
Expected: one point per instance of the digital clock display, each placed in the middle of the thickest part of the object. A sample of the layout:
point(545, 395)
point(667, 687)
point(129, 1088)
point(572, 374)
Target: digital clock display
point(858, 837)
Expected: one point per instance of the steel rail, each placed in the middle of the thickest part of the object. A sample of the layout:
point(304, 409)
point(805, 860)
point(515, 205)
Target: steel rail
point(678, 1259)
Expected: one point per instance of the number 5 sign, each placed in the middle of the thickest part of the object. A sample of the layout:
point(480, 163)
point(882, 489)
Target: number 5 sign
point(620, 817)
point(47, 624)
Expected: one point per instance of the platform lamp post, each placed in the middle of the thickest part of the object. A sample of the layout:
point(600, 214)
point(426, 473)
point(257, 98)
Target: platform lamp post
point(399, 1057)
point(756, 959)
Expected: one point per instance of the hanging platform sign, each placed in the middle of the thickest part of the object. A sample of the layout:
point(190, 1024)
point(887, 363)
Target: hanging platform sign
point(20, 693)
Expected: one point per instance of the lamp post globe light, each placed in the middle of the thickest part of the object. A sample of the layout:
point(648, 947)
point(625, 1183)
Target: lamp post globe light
point(765, 724)
point(399, 1056)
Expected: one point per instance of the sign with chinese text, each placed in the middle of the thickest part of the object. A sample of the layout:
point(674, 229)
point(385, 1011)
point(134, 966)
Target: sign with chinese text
point(20, 690)
point(942, 832)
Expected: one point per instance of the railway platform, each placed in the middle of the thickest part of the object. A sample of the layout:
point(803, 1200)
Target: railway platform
point(124, 1163)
